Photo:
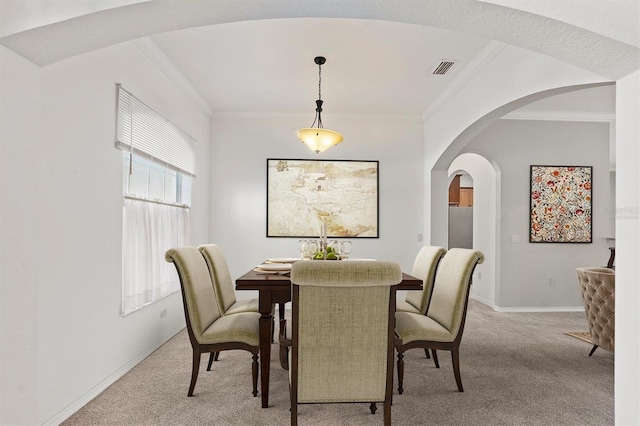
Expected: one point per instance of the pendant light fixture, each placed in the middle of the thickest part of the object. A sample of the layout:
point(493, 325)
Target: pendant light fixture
point(319, 139)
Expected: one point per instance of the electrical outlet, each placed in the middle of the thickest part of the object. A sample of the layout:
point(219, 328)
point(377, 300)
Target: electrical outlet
point(163, 313)
point(479, 275)
point(552, 282)
point(419, 237)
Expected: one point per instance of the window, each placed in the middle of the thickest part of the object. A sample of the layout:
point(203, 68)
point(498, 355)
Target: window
point(157, 170)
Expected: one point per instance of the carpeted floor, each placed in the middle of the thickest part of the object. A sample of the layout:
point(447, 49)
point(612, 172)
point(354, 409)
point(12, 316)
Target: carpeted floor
point(517, 369)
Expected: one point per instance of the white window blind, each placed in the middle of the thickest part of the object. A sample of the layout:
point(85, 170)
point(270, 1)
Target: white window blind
point(158, 169)
point(144, 132)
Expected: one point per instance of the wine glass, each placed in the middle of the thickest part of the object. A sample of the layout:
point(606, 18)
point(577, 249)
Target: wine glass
point(337, 249)
point(312, 248)
point(302, 248)
point(333, 247)
point(345, 249)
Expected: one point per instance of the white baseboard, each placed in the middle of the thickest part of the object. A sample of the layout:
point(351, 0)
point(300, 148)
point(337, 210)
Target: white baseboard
point(527, 308)
point(483, 301)
point(70, 409)
point(540, 309)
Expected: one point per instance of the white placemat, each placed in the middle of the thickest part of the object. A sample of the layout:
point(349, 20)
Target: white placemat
point(283, 260)
point(275, 266)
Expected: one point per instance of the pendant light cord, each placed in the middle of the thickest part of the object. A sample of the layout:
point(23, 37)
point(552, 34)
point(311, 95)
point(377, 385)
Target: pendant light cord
point(318, 117)
point(319, 81)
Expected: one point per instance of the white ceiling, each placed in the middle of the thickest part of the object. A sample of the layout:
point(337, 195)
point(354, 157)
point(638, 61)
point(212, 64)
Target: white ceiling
point(247, 57)
point(268, 65)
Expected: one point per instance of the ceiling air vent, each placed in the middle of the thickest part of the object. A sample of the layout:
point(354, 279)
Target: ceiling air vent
point(443, 67)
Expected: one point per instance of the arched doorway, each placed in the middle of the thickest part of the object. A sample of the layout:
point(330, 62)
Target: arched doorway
point(485, 219)
point(460, 210)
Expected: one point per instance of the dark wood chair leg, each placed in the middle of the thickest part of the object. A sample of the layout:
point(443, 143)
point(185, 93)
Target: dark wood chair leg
point(593, 349)
point(212, 356)
point(254, 374)
point(435, 358)
point(400, 372)
point(455, 360)
point(194, 372)
point(387, 413)
point(284, 350)
point(373, 407)
point(426, 352)
point(294, 413)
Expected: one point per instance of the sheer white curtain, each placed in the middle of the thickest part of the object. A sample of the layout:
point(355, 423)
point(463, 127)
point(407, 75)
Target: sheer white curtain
point(150, 229)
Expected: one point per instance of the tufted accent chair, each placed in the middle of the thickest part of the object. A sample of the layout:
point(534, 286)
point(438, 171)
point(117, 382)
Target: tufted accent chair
point(598, 288)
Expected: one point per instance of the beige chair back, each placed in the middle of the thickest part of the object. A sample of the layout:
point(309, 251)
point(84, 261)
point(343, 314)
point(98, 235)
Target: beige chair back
point(451, 287)
point(598, 288)
point(425, 267)
point(220, 275)
point(201, 306)
point(342, 342)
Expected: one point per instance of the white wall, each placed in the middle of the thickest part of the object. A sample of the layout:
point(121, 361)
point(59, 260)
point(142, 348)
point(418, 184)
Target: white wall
point(503, 80)
point(61, 231)
point(19, 234)
point(627, 250)
point(238, 169)
point(526, 268)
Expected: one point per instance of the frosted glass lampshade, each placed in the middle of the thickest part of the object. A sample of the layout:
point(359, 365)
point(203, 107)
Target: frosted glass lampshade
point(318, 139)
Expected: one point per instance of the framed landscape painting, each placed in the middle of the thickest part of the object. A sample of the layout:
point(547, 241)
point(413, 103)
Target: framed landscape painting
point(301, 194)
point(561, 204)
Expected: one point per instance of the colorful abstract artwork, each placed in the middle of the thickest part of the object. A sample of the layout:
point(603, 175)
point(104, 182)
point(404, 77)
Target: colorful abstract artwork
point(304, 194)
point(561, 200)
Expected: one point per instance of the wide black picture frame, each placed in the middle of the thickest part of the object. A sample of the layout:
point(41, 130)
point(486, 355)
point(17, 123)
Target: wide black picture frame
point(301, 194)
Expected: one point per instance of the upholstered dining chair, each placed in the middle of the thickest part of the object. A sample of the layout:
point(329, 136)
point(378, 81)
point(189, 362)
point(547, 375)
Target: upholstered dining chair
point(210, 331)
point(441, 328)
point(342, 333)
point(598, 289)
point(223, 284)
point(424, 267)
point(223, 287)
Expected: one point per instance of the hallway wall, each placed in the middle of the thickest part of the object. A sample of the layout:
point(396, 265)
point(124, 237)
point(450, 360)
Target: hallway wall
point(526, 269)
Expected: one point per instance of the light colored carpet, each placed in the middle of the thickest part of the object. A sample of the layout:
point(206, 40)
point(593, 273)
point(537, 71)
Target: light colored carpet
point(517, 369)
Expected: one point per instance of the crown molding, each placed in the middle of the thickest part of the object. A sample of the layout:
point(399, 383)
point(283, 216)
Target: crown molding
point(164, 63)
point(283, 116)
point(560, 116)
point(477, 63)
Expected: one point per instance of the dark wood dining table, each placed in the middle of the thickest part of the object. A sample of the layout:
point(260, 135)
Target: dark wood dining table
point(276, 289)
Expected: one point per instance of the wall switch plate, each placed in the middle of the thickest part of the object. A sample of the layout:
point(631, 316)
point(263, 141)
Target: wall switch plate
point(515, 238)
point(419, 237)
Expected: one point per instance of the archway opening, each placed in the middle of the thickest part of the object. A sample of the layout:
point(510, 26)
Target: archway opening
point(461, 210)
